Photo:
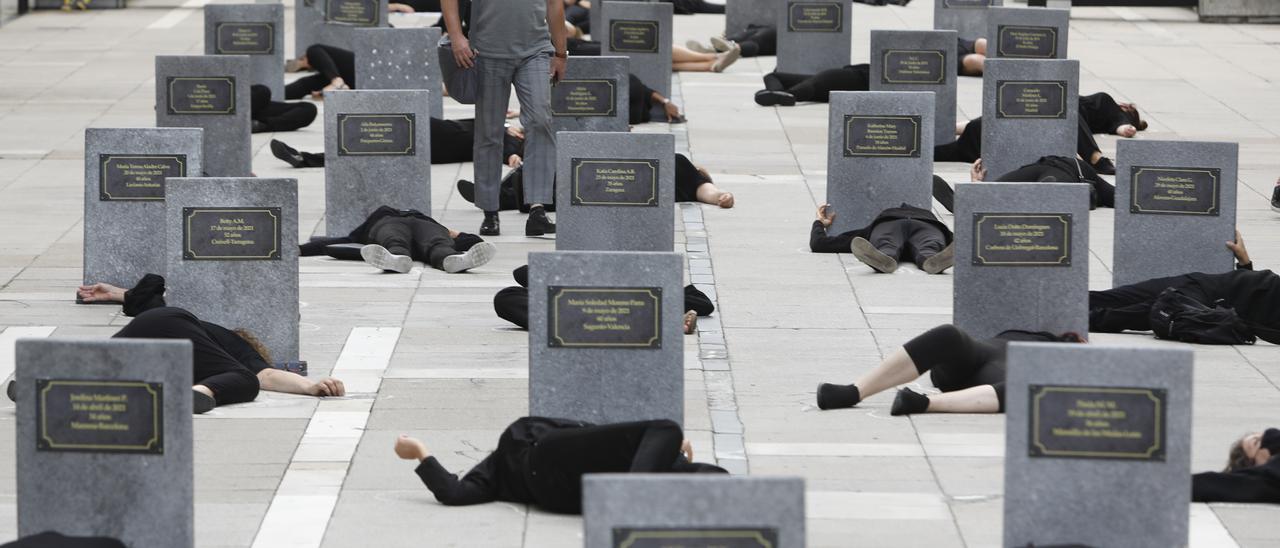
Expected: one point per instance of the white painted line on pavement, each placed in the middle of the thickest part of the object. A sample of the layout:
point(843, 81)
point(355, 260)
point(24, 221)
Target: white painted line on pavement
point(11, 336)
point(303, 504)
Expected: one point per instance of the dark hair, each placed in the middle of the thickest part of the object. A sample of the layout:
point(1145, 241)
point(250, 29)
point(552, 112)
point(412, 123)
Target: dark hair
point(254, 342)
point(1236, 457)
point(1134, 117)
point(1070, 337)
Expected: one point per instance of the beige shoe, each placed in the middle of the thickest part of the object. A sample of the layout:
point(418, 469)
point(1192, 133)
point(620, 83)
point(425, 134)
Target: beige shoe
point(698, 47)
point(872, 257)
point(941, 261)
point(727, 58)
point(721, 44)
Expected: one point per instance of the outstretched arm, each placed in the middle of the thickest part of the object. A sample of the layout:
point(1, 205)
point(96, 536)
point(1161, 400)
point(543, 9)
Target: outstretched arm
point(276, 380)
point(476, 488)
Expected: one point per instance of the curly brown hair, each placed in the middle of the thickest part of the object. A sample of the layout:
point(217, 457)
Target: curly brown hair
point(254, 342)
point(1236, 457)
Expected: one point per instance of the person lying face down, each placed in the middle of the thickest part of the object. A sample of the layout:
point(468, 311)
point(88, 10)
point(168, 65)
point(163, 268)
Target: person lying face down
point(1046, 169)
point(970, 373)
point(542, 460)
point(896, 234)
point(230, 366)
point(1252, 473)
point(395, 238)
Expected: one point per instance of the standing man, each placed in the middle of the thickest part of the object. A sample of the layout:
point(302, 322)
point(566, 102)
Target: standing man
point(521, 43)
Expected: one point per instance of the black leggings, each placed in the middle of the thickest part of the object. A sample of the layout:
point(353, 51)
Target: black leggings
point(818, 87)
point(560, 459)
point(968, 147)
point(908, 238)
point(278, 116)
point(329, 63)
point(421, 239)
point(955, 361)
point(757, 40)
point(1128, 307)
point(512, 303)
point(213, 366)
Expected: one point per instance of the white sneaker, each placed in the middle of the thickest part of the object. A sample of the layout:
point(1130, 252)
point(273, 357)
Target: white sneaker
point(721, 45)
point(478, 255)
point(378, 257)
point(698, 47)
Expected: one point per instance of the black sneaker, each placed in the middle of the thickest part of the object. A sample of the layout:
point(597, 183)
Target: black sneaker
point(538, 223)
point(287, 153)
point(11, 389)
point(259, 127)
point(769, 98)
point(201, 403)
point(467, 190)
point(1275, 199)
point(490, 226)
point(773, 83)
point(1105, 166)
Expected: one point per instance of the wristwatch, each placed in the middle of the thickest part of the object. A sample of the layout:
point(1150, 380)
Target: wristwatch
point(562, 54)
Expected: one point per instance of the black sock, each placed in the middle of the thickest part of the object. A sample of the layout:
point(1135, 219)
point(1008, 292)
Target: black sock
point(836, 396)
point(909, 402)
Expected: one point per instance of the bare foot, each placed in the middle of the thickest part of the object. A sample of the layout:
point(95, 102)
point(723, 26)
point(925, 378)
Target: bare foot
point(726, 200)
point(690, 322)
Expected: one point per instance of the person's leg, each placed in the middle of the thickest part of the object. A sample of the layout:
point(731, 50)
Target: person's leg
point(259, 99)
point(923, 241)
point(390, 245)
point(686, 55)
point(491, 116)
point(562, 457)
point(971, 377)
point(944, 194)
point(320, 58)
point(697, 301)
point(431, 242)
point(512, 304)
point(984, 398)
point(944, 347)
point(966, 148)
point(533, 89)
point(305, 86)
point(451, 142)
point(288, 116)
point(883, 249)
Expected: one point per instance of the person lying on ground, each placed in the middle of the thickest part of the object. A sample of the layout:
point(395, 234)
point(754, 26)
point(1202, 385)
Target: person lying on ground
point(896, 234)
point(335, 70)
point(1252, 474)
point(541, 461)
point(229, 366)
point(451, 143)
point(970, 373)
point(512, 303)
point(274, 116)
point(1047, 169)
point(394, 238)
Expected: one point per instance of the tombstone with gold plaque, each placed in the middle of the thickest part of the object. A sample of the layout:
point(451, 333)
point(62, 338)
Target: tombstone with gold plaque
point(1029, 110)
point(210, 92)
point(232, 249)
point(104, 439)
point(256, 30)
point(814, 35)
point(593, 95)
point(617, 191)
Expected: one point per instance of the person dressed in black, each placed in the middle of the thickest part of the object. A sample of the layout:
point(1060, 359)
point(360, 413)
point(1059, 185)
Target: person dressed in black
point(786, 89)
point(896, 234)
point(230, 366)
point(335, 69)
point(512, 303)
point(755, 41)
point(450, 144)
point(970, 373)
point(1252, 474)
point(271, 116)
point(1254, 295)
point(1047, 169)
point(693, 184)
point(394, 238)
point(541, 461)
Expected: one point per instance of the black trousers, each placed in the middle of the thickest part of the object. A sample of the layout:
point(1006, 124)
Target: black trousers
point(955, 361)
point(560, 459)
point(421, 239)
point(1128, 307)
point(968, 146)
point(213, 367)
point(50, 539)
point(278, 116)
point(1250, 486)
point(512, 303)
point(757, 40)
point(687, 7)
point(579, 17)
point(908, 238)
point(818, 87)
point(329, 63)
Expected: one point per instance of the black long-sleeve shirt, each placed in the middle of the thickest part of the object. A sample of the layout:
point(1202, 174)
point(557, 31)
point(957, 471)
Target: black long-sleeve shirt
point(148, 294)
point(1101, 113)
point(820, 242)
point(1259, 484)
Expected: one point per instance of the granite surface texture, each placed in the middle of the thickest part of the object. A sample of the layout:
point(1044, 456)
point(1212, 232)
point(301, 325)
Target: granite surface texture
point(810, 52)
point(227, 145)
point(310, 26)
point(590, 227)
point(1058, 20)
point(967, 17)
point(888, 46)
point(388, 58)
point(593, 74)
point(738, 14)
point(266, 66)
point(654, 69)
point(1010, 143)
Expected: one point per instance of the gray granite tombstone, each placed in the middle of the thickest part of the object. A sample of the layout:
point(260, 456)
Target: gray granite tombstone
point(124, 188)
point(210, 92)
point(399, 59)
point(814, 36)
point(922, 60)
point(232, 248)
point(1029, 110)
point(739, 14)
point(1028, 33)
point(256, 30)
point(377, 146)
point(593, 95)
point(616, 191)
point(967, 17)
point(1091, 429)
point(879, 153)
point(104, 439)
point(1022, 258)
point(1175, 206)
point(656, 510)
point(641, 31)
point(606, 341)
point(596, 17)
point(332, 22)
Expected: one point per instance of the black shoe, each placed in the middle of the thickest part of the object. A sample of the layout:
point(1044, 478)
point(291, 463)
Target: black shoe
point(538, 223)
point(490, 226)
point(1105, 166)
point(909, 402)
point(773, 83)
point(201, 403)
point(287, 153)
point(769, 98)
point(835, 396)
point(11, 389)
point(467, 190)
point(1275, 199)
point(259, 127)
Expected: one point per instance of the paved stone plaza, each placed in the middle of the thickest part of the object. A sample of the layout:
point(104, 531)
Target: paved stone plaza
point(424, 354)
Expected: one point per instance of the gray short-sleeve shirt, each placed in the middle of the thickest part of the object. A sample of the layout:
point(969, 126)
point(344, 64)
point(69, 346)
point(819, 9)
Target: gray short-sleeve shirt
point(509, 29)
